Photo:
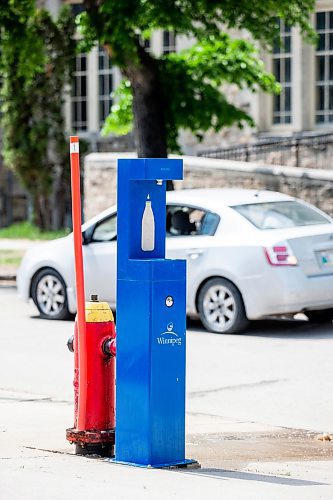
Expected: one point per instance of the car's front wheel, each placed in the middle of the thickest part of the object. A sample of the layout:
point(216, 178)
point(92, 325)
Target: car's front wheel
point(221, 307)
point(48, 291)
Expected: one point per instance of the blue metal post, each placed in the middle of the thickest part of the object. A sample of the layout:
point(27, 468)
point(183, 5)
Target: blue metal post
point(151, 323)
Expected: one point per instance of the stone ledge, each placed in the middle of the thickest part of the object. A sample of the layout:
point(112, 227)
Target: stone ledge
point(109, 160)
point(310, 184)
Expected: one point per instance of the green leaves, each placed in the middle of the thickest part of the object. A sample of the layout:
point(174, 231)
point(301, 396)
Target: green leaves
point(221, 59)
point(192, 83)
point(192, 88)
point(37, 57)
point(120, 119)
point(114, 21)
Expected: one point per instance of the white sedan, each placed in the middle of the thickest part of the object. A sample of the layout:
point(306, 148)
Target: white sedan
point(250, 254)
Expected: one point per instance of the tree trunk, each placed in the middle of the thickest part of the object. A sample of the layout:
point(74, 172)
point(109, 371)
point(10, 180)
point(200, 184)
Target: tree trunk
point(149, 125)
point(148, 108)
point(41, 211)
point(57, 201)
point(60, 193)
point(49, 210)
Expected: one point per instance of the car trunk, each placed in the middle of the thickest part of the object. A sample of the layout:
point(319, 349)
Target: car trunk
point(314, 253)
point(313, 248)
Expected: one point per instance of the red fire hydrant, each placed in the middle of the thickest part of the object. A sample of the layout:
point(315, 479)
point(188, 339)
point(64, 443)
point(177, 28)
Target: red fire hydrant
point(97, 437)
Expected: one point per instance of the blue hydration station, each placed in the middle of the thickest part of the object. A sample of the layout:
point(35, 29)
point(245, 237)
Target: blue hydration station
point(151, 321)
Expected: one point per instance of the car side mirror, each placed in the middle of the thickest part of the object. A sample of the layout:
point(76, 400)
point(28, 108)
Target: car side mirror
point(87, 235)
point(84, 238)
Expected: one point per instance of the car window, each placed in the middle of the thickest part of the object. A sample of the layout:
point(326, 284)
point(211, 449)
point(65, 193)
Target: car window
point(184, 220)
point(106, 230)
point(281, 214)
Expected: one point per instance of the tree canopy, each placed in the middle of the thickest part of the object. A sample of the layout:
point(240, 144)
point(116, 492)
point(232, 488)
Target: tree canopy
point(192, 90)
point(185, 90)
point(37, 56)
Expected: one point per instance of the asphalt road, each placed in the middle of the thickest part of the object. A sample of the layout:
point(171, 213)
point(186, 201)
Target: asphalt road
point(278, 373)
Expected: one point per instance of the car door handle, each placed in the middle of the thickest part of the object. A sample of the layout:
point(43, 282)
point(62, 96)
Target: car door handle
point(195, 253)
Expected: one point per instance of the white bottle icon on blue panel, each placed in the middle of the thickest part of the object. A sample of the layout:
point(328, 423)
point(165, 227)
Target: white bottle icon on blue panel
point(148, 228)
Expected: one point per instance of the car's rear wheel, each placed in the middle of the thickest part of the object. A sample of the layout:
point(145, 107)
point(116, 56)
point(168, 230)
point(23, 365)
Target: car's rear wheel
point(48, 291)
point(323, 316)
point(221, 308)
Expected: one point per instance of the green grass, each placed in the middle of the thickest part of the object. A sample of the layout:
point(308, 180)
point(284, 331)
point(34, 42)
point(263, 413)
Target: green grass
point(26, 230)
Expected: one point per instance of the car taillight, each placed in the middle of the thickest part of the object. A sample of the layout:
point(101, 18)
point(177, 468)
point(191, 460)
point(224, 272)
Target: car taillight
point(280, 255)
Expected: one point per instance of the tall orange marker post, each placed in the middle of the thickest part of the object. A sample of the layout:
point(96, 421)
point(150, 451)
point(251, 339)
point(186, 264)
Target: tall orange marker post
point(79, 280)
point(94, 350)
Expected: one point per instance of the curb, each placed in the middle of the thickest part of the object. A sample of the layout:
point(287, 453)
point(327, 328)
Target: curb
point(8, 280)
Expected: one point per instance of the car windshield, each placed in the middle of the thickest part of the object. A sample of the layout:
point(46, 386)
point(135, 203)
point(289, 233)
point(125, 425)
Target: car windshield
point(281, 214)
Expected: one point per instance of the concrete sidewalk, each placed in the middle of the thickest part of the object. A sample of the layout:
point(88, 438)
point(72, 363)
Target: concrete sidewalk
point(37, 462)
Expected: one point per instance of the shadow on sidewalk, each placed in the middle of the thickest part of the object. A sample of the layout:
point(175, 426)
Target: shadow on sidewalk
point(251, 476)
point(275, 328)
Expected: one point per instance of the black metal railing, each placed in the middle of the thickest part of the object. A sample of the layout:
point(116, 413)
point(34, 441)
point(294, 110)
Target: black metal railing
point(307, 150)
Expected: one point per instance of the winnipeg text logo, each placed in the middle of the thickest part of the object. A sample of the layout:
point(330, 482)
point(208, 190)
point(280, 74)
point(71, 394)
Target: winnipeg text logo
point(169, 336)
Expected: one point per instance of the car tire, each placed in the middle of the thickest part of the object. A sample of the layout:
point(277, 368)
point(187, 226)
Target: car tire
point(48, 291)
point(323, 316)
point(221, 308)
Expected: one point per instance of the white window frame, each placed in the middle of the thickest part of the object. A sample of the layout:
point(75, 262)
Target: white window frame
point(170, 46)
point(80, 125)
point(326, 84)
point(107, 74)
point(283, 117)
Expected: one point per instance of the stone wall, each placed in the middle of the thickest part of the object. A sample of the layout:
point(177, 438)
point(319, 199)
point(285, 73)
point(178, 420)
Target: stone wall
point(312, 185)
point(100, 181)
point(108, 144)
point(306, 150)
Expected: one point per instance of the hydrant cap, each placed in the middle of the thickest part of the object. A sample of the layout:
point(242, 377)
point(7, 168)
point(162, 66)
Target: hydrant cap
point(98, 312)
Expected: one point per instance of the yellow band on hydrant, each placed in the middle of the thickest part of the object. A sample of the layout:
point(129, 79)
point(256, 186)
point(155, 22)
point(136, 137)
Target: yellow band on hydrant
point(98, 312)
